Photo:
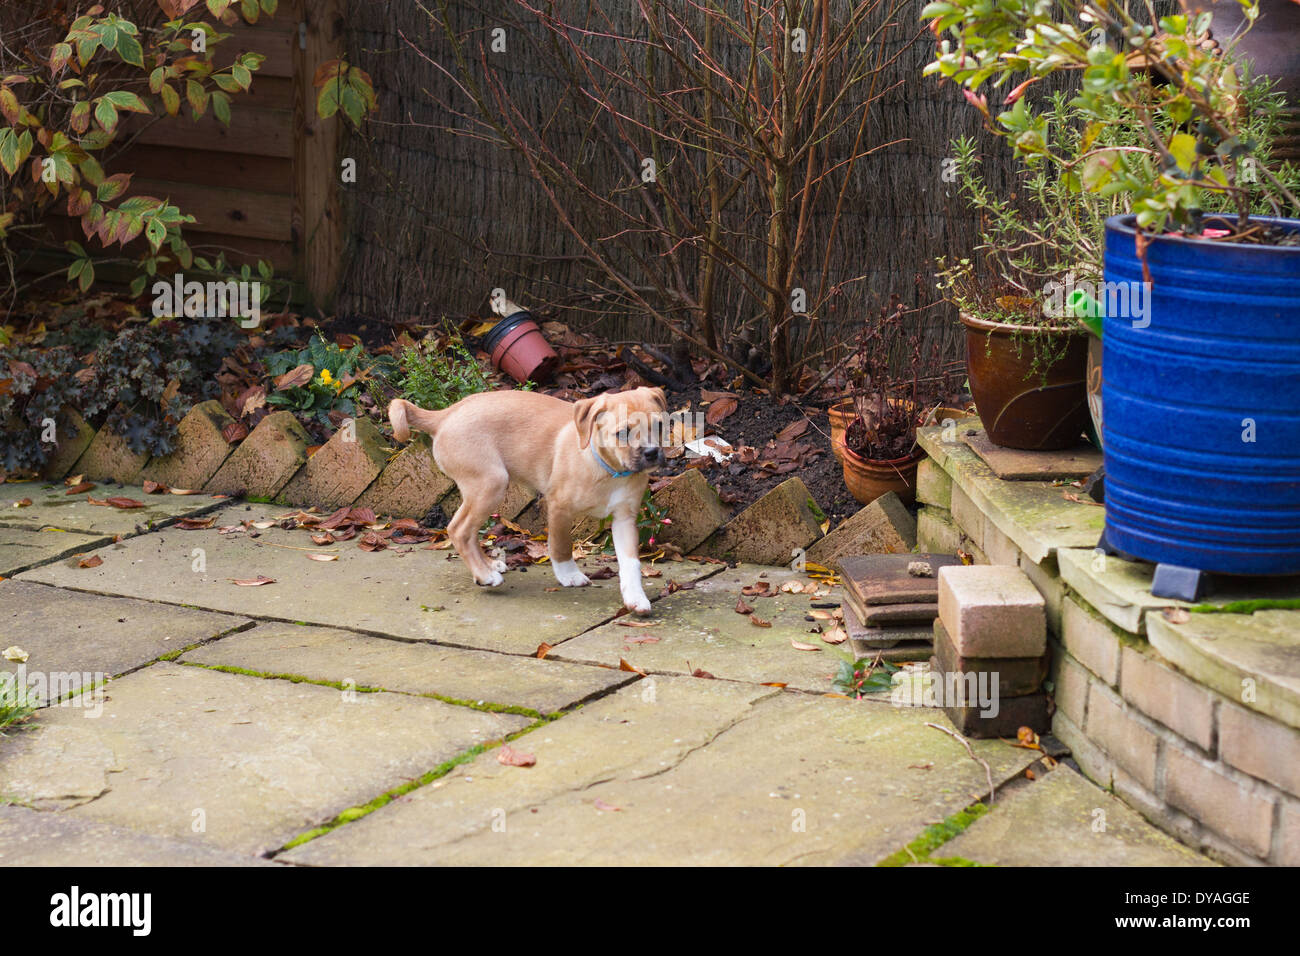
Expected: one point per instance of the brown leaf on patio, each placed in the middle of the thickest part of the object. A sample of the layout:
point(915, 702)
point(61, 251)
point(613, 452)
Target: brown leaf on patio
point(774, 683)
point(1176, 615)
point(184, 491)
point(79, 488)
point(835, 636)
point(93, 561)
point(602, 805)
point(74, 479)
point(801, 646)
point(542, 650)
point(24, 503)
point(323, 557)
point(124, 503)
point(742, 607)
point(635, 623)
point(256, 582)
point(625, 666)
point(641, 640)
point(701, 673)
point(758, 621)
point(155, 488)
point(758, 589)
point(195, 524)
point(372, 542)
point(603, 573)
point(322, 538)
point(510, 757)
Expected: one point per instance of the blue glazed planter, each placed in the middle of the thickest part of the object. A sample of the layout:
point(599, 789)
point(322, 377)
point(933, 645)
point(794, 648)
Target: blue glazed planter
point(1202, 399)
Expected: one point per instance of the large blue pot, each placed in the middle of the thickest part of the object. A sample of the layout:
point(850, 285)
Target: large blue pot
point(1217, 365)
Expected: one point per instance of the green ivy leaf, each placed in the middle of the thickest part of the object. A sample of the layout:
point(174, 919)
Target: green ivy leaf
point(128, 48)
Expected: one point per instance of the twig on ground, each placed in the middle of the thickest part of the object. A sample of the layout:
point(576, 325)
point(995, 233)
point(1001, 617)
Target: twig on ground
point(988, 772)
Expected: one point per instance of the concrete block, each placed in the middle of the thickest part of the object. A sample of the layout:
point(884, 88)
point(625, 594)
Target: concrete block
point(1168, 697)
point(200, 449)
point(768, 530)
point(263, 462)
point(883, 527)
point(992, 611)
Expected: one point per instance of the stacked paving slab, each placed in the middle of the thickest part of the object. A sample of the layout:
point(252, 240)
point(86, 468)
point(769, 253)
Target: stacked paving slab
point(990, 650)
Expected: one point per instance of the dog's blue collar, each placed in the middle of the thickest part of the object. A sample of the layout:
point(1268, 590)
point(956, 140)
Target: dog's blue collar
point(604, 464)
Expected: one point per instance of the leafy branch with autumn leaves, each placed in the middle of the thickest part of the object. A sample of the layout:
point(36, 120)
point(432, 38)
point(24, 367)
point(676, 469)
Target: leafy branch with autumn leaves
point(64, 91)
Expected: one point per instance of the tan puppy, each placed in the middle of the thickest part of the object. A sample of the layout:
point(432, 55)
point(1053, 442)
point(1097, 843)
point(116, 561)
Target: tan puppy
point(588, 458)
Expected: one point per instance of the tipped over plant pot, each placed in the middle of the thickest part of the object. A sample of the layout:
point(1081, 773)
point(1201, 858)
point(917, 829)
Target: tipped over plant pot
point(519, 349)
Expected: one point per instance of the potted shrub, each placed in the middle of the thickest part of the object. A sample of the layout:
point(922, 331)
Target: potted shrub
point(897, 379)
point(1201, 356)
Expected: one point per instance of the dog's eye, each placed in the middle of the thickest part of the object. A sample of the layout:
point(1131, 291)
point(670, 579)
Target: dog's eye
point(622, 435)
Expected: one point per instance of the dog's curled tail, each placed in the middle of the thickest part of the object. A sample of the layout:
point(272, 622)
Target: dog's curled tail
point(405, 416)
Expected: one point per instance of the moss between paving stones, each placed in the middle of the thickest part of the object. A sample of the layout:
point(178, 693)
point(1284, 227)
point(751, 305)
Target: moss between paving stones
point(484, 706)
point(936, 835)
point(388, 796)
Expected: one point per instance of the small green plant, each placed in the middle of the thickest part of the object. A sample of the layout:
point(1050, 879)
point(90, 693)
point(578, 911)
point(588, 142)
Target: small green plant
point(323, 378)
point(438, 379)
point(17, 703)
point(866, 675)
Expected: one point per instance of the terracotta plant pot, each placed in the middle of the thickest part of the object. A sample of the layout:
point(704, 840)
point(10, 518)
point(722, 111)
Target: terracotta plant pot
point(519, 349)
point(1022, 408)
point(868, 479)
point(840, 414)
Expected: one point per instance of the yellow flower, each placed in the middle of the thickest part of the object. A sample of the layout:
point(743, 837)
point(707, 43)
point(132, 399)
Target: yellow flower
point(325, 377)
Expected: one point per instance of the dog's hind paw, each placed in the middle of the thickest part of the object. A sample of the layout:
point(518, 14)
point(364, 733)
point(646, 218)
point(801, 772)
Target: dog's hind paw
point(493, 579)
point(638, 603)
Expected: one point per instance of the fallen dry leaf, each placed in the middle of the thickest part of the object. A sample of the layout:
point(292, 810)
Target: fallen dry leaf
point(774, 683)
point(1175, 615)
point(801, 646)
point(323, 557)
point(79, 488)
point(16, 654)
point(256, 582)
point(155, 488)
point(835, 636)
point(641, 640)
point(720, 409)
point(792, 431)
point(817, 614)
point(93, 561)
point(322, 538)
point(758, 621)
point(602, 805)
point(74, 480)
point(184, 491)
point(632, 623)
point(124, 503)
point(295, 377)
point(542, 650)
point(195, 524)
point(742, 607)
point(26, 502)
point(511, 757)
point(625, 666)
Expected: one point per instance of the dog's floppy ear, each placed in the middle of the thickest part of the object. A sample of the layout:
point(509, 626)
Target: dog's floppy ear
point(584, 418)
point(660, 398)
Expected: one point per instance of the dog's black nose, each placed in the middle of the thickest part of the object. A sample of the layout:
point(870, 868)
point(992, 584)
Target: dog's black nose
point(651, 454)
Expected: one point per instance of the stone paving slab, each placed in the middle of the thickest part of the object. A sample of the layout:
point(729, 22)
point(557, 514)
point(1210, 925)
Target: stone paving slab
point(45, 838)
point(1055, 821)
point(1035, 515)
point(319, 653)
point(706, 772)
point(382, 592)
point(261, 759)
point(51, 507)
point(21, 550)
point(699, 628)
point(82, 638)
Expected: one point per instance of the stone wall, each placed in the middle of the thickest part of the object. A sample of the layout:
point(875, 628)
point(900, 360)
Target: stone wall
point(1193, 722)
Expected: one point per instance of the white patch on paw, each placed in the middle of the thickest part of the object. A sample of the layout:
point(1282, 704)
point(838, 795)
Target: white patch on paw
point(638, 603)
point(493, 580)
point(569, 574)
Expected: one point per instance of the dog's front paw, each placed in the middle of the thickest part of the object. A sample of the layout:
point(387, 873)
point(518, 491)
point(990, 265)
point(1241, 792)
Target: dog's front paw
point(570, 575)
point(636, 602)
